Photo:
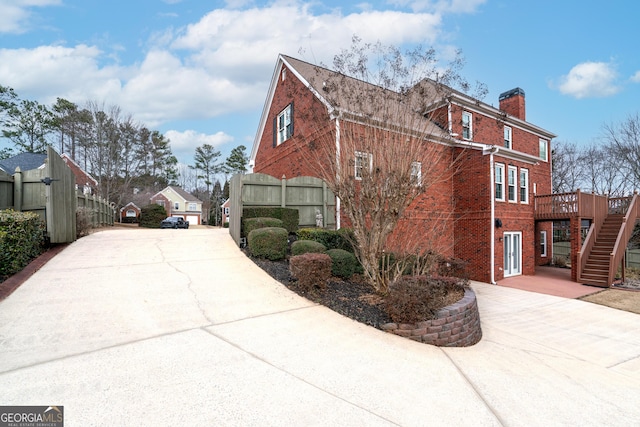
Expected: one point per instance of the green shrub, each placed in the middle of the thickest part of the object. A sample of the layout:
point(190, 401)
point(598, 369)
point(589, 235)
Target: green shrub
point(21, 240)
point(268, 242)
point(331, 239)
point(311, 270)
point(343, 263)
point(261, 222)
point(289, 217)
point(300, 247)
point(413, 299)
point(152, 215)
point(225, 225)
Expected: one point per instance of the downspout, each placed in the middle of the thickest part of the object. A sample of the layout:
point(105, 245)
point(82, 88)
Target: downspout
point(492, 151)
point(449, 116)
point(338, 171)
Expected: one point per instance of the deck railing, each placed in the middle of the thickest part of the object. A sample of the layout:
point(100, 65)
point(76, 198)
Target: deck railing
point(569, 205)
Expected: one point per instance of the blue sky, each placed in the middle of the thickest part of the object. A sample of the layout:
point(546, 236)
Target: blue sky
point(199, 70)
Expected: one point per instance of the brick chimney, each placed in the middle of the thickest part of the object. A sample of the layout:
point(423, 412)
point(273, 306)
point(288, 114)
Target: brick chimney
point(512, 102)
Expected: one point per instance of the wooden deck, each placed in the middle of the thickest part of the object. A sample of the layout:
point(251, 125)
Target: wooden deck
point(608, 247)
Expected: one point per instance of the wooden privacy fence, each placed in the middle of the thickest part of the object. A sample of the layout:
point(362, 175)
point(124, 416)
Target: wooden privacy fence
point(50, 192)
point(306, 194)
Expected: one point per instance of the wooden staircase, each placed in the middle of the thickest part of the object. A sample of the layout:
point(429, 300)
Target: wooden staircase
point(596, 271)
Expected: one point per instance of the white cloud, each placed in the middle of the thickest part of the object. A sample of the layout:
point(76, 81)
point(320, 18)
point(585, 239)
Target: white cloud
point(15, 14)
point(221, 64)
point(183, 144)
point(636, 77)
point(245, 43)
point(590, 80)
point(441, 6)
point(47, 72)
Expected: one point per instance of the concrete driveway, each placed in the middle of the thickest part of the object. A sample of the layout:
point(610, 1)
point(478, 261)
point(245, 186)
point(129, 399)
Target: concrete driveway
point(177, 327)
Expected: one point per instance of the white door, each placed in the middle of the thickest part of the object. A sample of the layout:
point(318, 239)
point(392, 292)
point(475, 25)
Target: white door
point(512, 253)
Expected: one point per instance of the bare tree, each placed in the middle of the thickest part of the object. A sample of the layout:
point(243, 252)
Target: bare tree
point(378, 149)
point(568, 169)
point(623, 143)
point(604, 173)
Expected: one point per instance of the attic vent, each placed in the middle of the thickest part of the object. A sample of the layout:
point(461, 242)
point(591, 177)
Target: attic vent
point(284, 74)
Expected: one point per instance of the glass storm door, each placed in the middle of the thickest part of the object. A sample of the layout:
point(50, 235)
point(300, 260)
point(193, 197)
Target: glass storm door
point(512, 254)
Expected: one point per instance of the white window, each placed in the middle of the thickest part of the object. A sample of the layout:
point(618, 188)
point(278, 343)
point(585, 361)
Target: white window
point(176, 205)
point(543, 243)
point(524, 186)
point(160, 203)
point(284, 123)
point(466, 125)
point(192, 207)
point(499, 182)
point(362, 160)
point(543, 150)
point(511, 183)
point(131, 213)
point(416, 173)
point(507, 137)
point(226, 211)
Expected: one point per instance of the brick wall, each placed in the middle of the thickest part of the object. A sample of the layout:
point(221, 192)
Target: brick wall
point(457, 325)
point(461, 200)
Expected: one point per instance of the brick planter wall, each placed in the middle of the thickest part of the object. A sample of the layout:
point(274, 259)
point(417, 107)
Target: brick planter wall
point(457, 325)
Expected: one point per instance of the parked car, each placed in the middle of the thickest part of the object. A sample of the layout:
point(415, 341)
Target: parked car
point(174, 222)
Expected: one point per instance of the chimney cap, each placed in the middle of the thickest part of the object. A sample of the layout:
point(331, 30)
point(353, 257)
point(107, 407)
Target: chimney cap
point(510, 93)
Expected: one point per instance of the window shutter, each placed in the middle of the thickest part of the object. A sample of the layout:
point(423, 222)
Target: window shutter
point(292, 118)
point(275, 131)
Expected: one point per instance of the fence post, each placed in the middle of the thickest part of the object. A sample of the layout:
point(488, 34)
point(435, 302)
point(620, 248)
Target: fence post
point(283, 196)
point(17, 190)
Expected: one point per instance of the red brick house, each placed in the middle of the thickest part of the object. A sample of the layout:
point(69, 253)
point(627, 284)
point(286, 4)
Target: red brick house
point(504, 162)
point(85, 183)
point(130, 213)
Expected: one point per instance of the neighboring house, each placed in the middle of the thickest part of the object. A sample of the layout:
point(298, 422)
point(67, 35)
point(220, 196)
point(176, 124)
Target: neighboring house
point(130, 213)
point(84, 181)
point(25, 161)
point(226, 206)
point(505, 162)
point(178, 202)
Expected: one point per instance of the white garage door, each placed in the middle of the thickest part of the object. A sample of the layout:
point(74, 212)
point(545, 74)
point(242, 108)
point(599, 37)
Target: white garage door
point(192, 219)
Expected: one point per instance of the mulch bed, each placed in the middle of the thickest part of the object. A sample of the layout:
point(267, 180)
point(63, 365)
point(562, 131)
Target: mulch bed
point(354, 298)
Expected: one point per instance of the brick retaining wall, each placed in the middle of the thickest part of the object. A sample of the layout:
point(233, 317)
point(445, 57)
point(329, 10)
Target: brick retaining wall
point(456, 325)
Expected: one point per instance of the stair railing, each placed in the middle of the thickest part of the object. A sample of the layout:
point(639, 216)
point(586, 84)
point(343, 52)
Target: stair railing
point(585, 250)
point(626, 230)
point(597, 207)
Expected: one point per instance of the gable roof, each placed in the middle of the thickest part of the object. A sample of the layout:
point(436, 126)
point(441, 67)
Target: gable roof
point(131, 204)
point(182, 193)
point(79, 172)
point(25, 161)
point(412, 101)
point(335, 90)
